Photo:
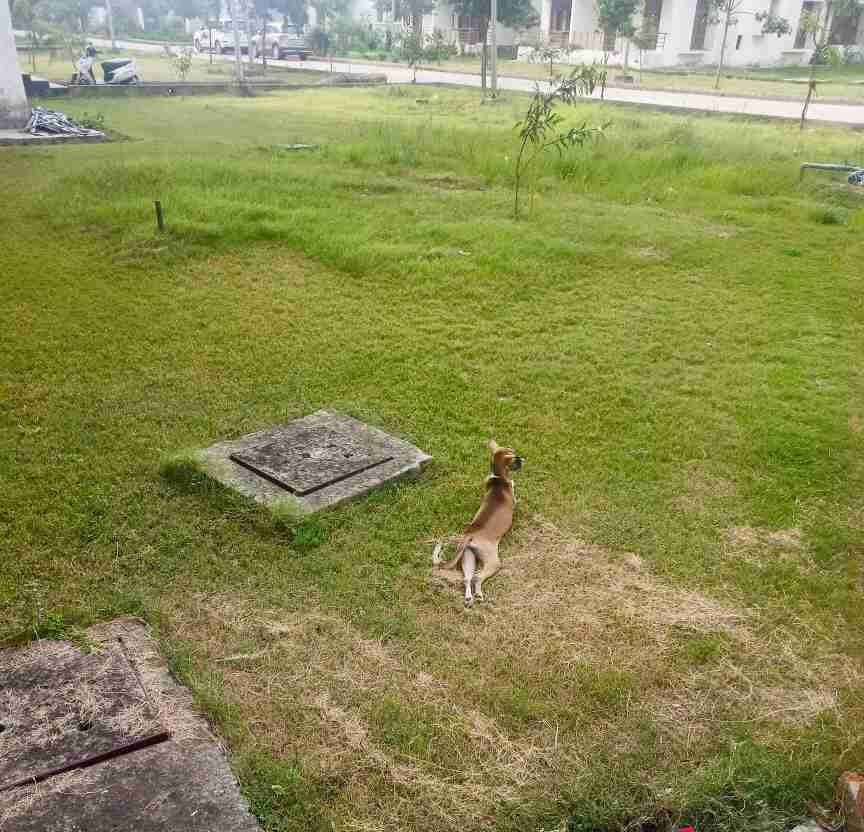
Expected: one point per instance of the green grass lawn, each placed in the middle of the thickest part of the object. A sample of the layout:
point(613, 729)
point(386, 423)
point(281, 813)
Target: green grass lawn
point(836, 83)
point(670, 336)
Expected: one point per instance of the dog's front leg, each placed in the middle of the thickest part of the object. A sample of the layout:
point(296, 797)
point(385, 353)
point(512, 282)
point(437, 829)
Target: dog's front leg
point(469, 565)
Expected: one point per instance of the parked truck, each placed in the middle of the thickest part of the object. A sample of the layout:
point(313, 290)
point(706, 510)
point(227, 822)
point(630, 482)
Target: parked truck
point(220, 38)
point(291, 43)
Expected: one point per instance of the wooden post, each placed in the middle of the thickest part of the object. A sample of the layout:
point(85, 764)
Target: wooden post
point(160, 222)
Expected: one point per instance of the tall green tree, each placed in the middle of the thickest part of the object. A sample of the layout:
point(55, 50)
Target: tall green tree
point(517, 14)
point(329, 9)
point(615, 17)
point(70, 14)
point(294, 10)
point(191, 8)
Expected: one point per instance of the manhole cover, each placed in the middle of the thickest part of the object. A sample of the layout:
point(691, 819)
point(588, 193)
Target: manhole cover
point(61, 708)
point(311, 463)
point(308, 459)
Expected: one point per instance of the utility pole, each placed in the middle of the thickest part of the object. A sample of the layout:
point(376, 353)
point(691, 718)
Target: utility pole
point(109, 14)
point(494, 39)
point(238, 62)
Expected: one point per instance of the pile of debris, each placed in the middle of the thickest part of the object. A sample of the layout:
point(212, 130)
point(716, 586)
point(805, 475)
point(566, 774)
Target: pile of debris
point(50, 122)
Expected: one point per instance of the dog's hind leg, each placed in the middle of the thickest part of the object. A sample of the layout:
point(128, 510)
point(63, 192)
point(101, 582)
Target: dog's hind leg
point(491, 566)
point(469, 566)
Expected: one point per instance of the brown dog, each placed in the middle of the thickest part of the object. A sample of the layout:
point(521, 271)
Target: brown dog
point(478, 544)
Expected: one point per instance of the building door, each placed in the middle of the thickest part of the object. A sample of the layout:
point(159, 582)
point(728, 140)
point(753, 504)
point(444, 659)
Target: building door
point(700, 25)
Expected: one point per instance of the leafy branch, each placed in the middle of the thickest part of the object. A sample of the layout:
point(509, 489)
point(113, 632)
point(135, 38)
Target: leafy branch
point(539, 130)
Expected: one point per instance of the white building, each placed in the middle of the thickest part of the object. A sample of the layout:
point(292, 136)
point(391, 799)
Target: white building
point(681, 32)
point(459, 30)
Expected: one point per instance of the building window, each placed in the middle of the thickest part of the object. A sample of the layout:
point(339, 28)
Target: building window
point(700, 25)
point(651, 15)
point(738, 42)
point(561, 18)
point(651, 23)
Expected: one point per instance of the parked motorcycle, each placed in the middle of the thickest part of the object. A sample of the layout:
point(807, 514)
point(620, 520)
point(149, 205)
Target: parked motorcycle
point(118, 71)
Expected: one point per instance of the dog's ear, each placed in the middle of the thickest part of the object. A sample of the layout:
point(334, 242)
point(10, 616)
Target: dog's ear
point(493, 446)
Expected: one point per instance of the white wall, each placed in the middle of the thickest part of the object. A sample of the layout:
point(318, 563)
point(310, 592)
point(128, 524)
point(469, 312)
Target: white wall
point(755, 48)
point(14, 110)
point(676, 22)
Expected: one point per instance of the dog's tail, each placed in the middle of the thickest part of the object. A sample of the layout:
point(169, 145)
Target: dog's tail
point(461, 542)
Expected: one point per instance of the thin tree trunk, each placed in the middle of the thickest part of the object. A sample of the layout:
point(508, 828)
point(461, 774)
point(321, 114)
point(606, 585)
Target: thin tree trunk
point(818, 47)
point(723, 44)
point(110, 16)
point(239, 76)
point(811, 88)
point(249, 56)
point(483, 57)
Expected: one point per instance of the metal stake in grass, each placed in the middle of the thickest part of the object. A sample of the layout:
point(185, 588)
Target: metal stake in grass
point(160, 222)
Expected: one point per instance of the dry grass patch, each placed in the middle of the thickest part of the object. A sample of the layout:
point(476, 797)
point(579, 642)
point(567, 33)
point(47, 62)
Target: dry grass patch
point(761, 546)
point(363, 714)
point(577, 651)
point(702, 489)
point(689, 660)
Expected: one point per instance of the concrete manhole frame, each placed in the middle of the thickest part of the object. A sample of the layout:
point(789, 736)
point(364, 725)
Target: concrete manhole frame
point(385, 459)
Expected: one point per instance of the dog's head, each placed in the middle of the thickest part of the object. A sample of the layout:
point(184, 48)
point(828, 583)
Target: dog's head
point(504, 460)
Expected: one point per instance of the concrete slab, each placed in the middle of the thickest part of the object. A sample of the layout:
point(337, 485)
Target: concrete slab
point(311, 463)
point(181, 785)
point(17, 138)
point(61, 708)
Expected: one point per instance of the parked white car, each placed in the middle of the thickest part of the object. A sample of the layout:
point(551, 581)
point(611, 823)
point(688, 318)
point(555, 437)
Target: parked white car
point(279, 44)
point(220, 37)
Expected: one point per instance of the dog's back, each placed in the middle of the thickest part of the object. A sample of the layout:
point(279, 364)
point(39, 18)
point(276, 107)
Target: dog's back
point(495, 515)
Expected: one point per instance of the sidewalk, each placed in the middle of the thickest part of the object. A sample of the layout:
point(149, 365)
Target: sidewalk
point(845, 115)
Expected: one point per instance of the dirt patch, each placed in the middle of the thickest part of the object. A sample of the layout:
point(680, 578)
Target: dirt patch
point(449, 182)
point(649, 253)
point(760, 546)
point(702, 488)
point(748, 537)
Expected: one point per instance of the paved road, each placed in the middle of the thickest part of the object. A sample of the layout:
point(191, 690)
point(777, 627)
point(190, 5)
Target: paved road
point(851, 115)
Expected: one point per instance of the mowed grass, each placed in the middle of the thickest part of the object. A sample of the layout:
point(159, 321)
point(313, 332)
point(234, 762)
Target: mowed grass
point(670, 336)
point(844, 83)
